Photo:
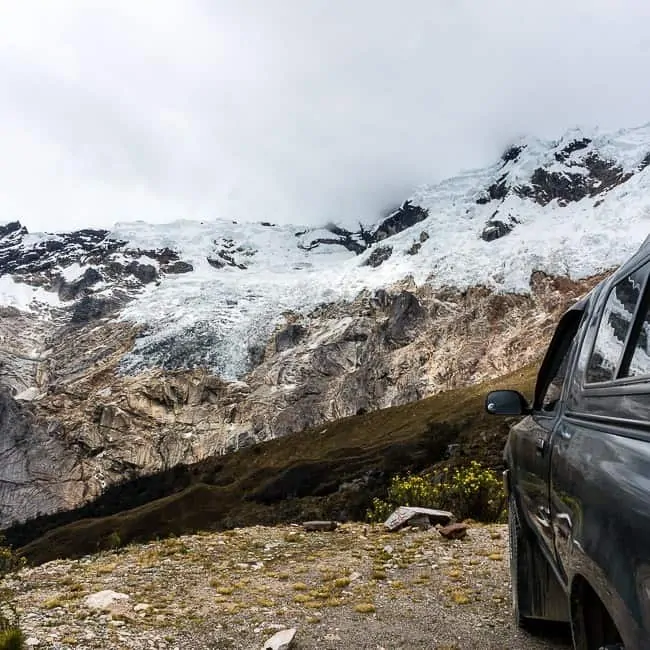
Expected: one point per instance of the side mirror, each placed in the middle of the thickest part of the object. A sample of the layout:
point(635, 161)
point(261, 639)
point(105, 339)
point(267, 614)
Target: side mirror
point(506, 402)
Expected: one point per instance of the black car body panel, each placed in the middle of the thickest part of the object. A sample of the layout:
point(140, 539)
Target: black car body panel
point(579, 463)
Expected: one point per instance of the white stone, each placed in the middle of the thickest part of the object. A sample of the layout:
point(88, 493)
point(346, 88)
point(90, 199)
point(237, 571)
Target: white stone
point(141, 607)
point(32, 642)
point(280, 640)
point(400, 517)
point(104, 599)
point(28, 395)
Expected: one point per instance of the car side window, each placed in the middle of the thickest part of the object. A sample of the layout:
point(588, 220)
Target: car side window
point(615, 325)
point(640, 361)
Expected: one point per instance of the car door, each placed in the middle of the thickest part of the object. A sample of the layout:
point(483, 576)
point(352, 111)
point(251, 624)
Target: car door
point(530, 440)
point(600, 469)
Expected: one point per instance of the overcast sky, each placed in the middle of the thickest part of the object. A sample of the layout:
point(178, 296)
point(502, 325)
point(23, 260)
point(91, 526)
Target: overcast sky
point(291, 110)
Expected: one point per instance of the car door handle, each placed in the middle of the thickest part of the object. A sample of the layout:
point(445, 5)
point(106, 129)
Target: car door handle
point(540, 445)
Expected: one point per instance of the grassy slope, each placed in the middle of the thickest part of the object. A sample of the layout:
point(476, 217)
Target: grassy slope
point(296, 477)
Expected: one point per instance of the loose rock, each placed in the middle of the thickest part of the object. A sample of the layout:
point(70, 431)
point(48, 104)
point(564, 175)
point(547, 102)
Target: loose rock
point(280, 640)
point(454, 531)
point(320, 525)
point(404, 516)
point(104, 599)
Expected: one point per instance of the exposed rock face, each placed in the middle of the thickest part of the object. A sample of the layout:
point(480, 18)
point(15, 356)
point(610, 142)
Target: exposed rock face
point(40, 261)
point(576, 170)
point(289, 337)
point(495, 192)
point(406, 216)
point(180, 267)
point(496, 228)
point(35, 464)
point(593, 175)
point(512, 153)
point(85, 426)
point(355, 242)
point(602, 176)
point(574, 145)
point(92, 308)
point(378, 256)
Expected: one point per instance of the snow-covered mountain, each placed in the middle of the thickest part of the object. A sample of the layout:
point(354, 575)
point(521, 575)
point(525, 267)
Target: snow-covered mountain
point(129, 351)
point(210, 293)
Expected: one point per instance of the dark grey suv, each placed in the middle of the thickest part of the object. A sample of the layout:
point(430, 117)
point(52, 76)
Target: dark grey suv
point(578, 470)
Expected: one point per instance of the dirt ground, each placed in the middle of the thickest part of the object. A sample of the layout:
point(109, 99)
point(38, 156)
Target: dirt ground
point(356, 587)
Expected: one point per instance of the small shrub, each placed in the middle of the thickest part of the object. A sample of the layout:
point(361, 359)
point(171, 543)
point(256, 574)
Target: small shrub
point(365, 608)
point(460, 597)
point(53, 603)
point(9, 559)
point(225, 590)
point(113, 541)
point(470, 491)
point(12, 639)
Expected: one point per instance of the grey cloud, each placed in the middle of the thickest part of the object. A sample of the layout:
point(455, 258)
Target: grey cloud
point(292, 111)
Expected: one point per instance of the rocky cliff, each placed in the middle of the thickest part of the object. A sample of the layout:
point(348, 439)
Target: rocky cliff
point(130, 351)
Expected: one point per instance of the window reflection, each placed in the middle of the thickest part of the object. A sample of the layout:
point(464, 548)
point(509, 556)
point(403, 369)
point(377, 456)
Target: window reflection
point(614, 328)
point(640, 363)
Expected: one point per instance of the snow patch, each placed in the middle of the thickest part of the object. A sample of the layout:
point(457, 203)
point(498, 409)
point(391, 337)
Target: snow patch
point(25, 297)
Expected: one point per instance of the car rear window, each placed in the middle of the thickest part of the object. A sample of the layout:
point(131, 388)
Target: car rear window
point(614, 328)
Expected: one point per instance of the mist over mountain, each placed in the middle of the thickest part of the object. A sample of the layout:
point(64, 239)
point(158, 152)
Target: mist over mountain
point(292, 112)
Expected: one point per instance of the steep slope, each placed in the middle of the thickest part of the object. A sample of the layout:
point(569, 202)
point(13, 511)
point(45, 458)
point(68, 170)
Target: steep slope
point(329, 471)
point(128, 352)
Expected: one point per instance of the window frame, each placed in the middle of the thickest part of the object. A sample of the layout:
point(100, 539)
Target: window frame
point(640, 311)
point(571, 321)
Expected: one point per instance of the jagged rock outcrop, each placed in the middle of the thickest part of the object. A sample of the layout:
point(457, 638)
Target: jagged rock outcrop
point(30, 482)
point(41, 261)
point(497, 228)
point(588, 174)
point(495, 192)
point(602, 175)
point(512, 153)
point(378, 256)
point(406, 216)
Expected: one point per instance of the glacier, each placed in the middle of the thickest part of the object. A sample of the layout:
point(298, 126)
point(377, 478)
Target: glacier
point(234, 308)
